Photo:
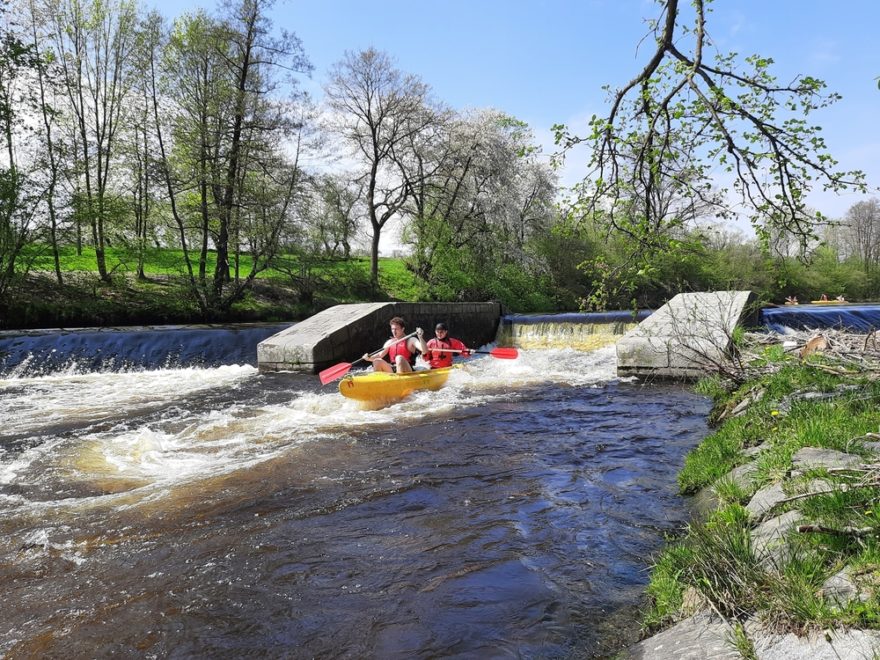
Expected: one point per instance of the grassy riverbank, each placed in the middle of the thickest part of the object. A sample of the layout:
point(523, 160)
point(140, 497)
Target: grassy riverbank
point(831, 401)
point(37, 300)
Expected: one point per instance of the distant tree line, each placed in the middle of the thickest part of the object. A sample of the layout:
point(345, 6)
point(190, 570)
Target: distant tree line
point(842, 260)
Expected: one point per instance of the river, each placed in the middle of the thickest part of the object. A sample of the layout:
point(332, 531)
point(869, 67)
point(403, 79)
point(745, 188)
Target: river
point(213, 511)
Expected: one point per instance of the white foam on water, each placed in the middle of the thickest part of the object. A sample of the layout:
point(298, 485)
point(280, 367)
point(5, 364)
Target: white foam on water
point(33, 403)
point(13, 471)
point(182, 446)
point(559, 366)
point(39, 542)
point(483, 379)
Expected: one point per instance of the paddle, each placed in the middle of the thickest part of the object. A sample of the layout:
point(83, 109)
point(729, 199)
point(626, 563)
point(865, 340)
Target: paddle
point(503, 353)
point(339, 370)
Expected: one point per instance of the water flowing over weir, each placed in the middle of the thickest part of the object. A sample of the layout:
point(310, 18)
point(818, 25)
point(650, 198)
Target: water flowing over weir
point(174, 509)
point(115, 349)
point(578, 330)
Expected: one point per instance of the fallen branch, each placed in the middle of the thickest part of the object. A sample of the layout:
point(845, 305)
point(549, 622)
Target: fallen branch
point(857, 532)
point(843, 488)
point(835, 371)
point(865, 468)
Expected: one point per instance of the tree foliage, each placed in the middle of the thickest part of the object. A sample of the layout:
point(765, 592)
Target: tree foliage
point(195, 136)
point(94, 45)
point(230, 145)
point(19, 188)
point(480, 190)
point(713, 130)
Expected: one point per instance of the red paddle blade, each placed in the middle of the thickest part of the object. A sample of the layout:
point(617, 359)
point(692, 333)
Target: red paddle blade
point(332, 373)
point(504, 353)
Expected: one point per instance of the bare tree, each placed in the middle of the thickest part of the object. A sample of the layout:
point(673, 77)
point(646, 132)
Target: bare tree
point(377, 110)
point(50, 159)
point(94, 43)
point(19, 193)
point(860, 232)
point(140, 138)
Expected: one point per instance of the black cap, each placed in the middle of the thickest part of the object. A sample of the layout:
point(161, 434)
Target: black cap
point(440, 326)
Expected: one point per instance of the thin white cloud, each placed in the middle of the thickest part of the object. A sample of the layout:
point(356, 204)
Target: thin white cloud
point(738, 23)
point(824, 51)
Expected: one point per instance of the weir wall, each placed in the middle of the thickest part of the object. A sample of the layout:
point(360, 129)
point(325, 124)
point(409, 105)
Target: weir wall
point(345, 332)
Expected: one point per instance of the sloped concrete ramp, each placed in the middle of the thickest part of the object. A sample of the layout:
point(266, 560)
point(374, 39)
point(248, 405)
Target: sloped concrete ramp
point(685, 338)
point(345, 332)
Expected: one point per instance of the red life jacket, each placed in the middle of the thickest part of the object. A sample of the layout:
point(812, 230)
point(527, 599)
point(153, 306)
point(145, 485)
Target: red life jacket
point(401, 348)
point(440, 359)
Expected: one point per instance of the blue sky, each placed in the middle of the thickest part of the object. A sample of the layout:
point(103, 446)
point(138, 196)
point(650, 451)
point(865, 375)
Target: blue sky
point(546, 62)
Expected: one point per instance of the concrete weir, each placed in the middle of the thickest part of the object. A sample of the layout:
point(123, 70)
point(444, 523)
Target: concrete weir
point(345, 332)
point(685, 337)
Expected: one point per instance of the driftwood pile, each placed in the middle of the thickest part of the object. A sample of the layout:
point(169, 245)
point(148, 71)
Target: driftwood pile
point(846, 353)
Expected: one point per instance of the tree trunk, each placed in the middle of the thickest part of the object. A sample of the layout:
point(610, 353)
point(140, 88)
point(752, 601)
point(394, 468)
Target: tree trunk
point(374, 261)
point(221, 272)
point(53, 164)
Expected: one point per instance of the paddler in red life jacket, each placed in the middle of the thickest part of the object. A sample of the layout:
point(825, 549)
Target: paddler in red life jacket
point(401, 352)
point(449, 345)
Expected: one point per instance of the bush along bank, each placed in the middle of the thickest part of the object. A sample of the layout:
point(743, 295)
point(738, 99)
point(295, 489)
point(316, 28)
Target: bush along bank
point(786, 561)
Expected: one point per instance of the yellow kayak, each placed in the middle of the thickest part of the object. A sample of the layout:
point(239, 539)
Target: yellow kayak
point(380, 387)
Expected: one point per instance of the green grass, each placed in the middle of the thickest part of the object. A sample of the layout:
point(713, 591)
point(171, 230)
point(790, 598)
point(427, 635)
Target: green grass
point(666, 588)
point(829, 425)
point(713, 387)
point(813, 424)
point(397, 281)
point(730, 492)
point(296, 289)
point(740, 641)
point(714, 562)
point(159, 261)
point(719, 453)
point(339, 276)
point(796, 592)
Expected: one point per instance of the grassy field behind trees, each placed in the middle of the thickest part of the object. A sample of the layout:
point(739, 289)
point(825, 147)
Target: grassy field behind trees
point(297, 286)
point(161, 295)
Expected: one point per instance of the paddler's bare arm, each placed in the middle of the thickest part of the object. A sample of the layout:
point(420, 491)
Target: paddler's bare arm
point(420, 337)
point(376, 356)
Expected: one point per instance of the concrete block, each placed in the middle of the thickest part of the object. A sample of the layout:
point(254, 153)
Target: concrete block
point(686, 337)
